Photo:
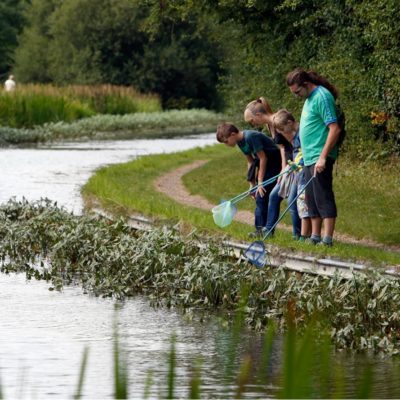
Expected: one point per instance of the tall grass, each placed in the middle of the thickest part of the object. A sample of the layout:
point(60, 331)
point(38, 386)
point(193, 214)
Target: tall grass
point(304, 367)
point(111, 99)
point(32, 105)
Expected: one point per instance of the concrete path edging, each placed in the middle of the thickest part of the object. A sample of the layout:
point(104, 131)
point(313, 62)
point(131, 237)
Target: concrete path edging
point(292, 262)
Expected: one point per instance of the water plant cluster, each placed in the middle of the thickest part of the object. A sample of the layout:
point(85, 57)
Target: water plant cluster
point(107, 126)
point(109, 258)
point(35, 104)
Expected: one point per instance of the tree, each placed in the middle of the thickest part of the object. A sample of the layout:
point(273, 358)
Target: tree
point(98, 41)
point(32, 55)
point(11, 22)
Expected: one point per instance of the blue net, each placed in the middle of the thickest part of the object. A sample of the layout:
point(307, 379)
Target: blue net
point(257, 254)
point(224, 213)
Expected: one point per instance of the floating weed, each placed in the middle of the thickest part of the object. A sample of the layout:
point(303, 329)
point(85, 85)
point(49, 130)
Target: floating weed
point(109, 258)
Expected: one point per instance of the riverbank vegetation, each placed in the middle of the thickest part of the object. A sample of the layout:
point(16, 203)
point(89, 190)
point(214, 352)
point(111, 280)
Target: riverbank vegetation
point(223, 177)
point(218, 54)
point(111, 259)
point(129, 126)
point(33, 105)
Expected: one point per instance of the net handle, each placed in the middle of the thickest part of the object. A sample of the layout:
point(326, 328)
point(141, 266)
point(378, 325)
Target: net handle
point(287, 208)
point(241, 196)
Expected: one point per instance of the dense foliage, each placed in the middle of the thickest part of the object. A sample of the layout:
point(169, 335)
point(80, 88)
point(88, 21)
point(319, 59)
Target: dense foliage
point(191, 52)
point(96, 41)
point(354, 43)
point(11, 24)
point(112, 259)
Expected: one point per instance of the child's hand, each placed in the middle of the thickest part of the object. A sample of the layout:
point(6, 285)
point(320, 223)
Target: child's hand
point(260, 191)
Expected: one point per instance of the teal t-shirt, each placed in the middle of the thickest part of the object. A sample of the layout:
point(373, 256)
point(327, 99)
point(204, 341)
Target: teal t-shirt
point(319, 111)
point(254, 141)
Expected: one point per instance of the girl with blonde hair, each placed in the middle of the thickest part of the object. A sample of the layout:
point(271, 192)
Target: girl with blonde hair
point(259, 113)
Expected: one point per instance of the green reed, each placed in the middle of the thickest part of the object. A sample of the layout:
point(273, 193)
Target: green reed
point(308, 368)
point(304, 367)
point(33, 105)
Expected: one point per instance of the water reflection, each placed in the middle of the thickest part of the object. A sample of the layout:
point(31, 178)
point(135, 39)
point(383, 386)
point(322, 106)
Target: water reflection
point(43, 333)
point(59, 170)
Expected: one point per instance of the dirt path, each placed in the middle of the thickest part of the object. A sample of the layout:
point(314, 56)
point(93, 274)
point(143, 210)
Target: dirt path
point(171, 185)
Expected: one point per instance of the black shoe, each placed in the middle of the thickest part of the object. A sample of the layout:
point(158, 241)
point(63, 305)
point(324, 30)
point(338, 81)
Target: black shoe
point(256, 234)
point(313, 241)
point(327, 244)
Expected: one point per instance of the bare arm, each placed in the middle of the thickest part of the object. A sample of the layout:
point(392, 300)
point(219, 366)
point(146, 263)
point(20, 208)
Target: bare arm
point(331, 140)
point(250, 160)
point(283, 156)
point(261, 172)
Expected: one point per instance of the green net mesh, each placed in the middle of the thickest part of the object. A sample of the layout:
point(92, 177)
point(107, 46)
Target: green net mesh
point(224, 213)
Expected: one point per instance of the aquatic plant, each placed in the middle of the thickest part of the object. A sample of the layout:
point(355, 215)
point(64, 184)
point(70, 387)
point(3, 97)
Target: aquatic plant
point(129, 126)
point(109, 258)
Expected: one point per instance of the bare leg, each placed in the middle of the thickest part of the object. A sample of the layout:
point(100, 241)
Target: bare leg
point(329, 226)
point(316, 224)
point(306, 227)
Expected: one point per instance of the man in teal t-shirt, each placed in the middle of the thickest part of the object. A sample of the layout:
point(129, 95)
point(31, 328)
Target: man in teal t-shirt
point(319, 111)
point(319, 133)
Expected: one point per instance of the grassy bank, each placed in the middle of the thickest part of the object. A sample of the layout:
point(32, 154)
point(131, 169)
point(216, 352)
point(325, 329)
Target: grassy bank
point(32, 105)
point(129, 187)
point(111, 259)
point(129, 126)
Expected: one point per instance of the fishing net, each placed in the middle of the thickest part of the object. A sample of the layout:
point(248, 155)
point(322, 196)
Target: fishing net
point(257, 254)
point(224, 213)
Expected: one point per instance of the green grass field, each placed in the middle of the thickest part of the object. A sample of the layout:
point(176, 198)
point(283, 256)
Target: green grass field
point(365, 210)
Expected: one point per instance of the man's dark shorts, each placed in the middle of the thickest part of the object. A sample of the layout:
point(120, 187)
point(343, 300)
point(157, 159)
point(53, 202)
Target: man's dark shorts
point(319, 194)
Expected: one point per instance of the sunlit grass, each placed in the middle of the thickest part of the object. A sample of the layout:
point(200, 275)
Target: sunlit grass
point(129, 187)
point(33, 104)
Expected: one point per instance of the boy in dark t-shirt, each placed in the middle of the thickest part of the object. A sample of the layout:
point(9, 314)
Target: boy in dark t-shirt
point(259, 151)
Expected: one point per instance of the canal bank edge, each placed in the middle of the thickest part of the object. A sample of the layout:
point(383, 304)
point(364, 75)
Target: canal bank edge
point(277, 258)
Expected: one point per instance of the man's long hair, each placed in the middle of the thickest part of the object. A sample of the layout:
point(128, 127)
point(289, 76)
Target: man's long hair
point(299, 76)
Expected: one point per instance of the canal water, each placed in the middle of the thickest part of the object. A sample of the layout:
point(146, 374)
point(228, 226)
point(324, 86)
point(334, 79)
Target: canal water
point(44, 333)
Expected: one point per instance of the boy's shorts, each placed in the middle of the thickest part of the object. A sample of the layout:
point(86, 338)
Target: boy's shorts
point(302, 208)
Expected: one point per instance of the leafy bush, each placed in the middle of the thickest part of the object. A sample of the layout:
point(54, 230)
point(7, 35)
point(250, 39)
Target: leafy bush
point(138, 125)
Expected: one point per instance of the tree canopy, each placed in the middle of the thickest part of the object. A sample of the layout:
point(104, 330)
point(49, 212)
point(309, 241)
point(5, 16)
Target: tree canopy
point(206, 53)
point(115, 41)
point(11, 23)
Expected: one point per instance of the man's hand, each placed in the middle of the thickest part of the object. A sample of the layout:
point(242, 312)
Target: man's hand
point(320, 165)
